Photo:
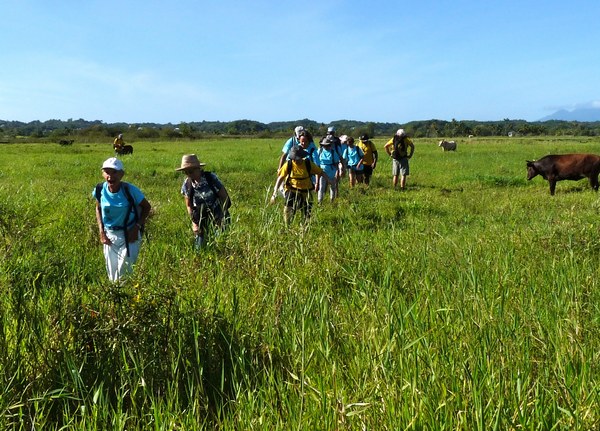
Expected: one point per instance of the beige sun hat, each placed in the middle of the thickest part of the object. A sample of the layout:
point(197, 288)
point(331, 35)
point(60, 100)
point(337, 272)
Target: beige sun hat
point(189, 161)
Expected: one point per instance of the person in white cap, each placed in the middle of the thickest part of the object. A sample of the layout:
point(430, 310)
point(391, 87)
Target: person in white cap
point(206, 199)
point(121, 213)
point(294, 141)
point(400, 148)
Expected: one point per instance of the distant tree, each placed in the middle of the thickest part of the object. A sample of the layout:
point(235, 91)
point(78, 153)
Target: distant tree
point(186, 130)
point(432, 131)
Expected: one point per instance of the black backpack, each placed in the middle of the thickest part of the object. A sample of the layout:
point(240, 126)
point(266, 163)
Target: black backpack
point(399, 147)
point(210, 179)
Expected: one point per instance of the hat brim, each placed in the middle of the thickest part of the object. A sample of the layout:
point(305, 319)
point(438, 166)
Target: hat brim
point(183, 168)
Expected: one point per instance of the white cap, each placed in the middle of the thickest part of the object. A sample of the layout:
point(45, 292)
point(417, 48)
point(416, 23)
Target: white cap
point(401, 132)
point(343, 139)
point(113, 163)
point(297, 131)
point(331, 129)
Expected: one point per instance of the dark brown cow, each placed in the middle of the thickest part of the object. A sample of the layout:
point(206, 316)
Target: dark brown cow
point(565, 167)
point(124, 149)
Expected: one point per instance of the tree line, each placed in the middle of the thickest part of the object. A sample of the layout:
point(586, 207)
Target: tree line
point(84, 130)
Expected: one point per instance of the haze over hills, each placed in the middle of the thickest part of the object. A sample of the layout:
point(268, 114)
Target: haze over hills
point(588, 113)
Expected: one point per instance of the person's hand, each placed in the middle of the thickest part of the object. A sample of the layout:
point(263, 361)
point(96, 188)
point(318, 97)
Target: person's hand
point(104, 239)
point(133, 234)
point(273, 198)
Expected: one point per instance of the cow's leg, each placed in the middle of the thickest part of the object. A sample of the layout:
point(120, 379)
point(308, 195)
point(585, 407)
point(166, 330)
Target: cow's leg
point(594, 182)
point(552, 186)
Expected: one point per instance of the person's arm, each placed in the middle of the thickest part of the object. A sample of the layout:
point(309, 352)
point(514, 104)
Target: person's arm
point(375, 157)
point(282, 160)
point(224, 199)
point(412, 149)
point(225, 203)
point(276, 188)
point(388, 148)
point(145, 213)
point(103, 238)
point(134, 232)
point(188, 207)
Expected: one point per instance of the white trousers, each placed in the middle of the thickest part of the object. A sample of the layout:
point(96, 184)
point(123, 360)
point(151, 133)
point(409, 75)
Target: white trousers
point(118, 264)
point(324, 181)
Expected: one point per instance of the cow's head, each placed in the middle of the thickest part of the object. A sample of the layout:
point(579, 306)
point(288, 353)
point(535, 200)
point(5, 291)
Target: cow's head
point(532, 171)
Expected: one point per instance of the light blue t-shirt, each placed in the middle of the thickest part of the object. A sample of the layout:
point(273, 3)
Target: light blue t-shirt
point(289, 144)
point(329, 161)
point(313, 153)
point(353, 156)
point(115, 206)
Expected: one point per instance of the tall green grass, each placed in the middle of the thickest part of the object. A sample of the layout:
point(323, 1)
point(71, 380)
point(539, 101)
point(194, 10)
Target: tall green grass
point(469, 301)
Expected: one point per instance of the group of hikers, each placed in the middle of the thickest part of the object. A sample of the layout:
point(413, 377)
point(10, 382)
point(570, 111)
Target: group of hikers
point(303, 167)
point(122, 209)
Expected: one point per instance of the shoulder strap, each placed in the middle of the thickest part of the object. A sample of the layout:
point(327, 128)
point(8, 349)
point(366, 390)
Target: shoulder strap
point(131, 203)
point(289, 170)
point(98, 191)
point(210, 179)
point(132, 206)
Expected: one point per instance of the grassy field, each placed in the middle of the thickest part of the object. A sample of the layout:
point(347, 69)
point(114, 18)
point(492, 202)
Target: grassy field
point(469, 301)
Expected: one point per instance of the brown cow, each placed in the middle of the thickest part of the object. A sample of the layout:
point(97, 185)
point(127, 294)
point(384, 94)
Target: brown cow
point(565, 167)
point(124, 149)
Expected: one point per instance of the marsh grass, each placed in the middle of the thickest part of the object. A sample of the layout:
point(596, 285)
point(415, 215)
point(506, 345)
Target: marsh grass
point(469, 301)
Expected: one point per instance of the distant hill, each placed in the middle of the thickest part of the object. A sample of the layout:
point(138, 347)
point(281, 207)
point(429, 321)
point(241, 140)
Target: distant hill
point(579, 114)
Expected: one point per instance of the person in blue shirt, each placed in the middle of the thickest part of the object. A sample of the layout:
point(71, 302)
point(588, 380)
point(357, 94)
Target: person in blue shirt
point(121, 213)
point(338, 146)
point(308, 144)
point(293, 141)
point(354, 158)
point(330, 161)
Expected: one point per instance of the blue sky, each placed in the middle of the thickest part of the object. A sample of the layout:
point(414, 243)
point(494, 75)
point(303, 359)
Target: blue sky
point(222, 60)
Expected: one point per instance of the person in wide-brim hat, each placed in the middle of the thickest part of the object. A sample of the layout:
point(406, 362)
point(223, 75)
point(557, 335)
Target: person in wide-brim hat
point(190, 161)
point(206, 199)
